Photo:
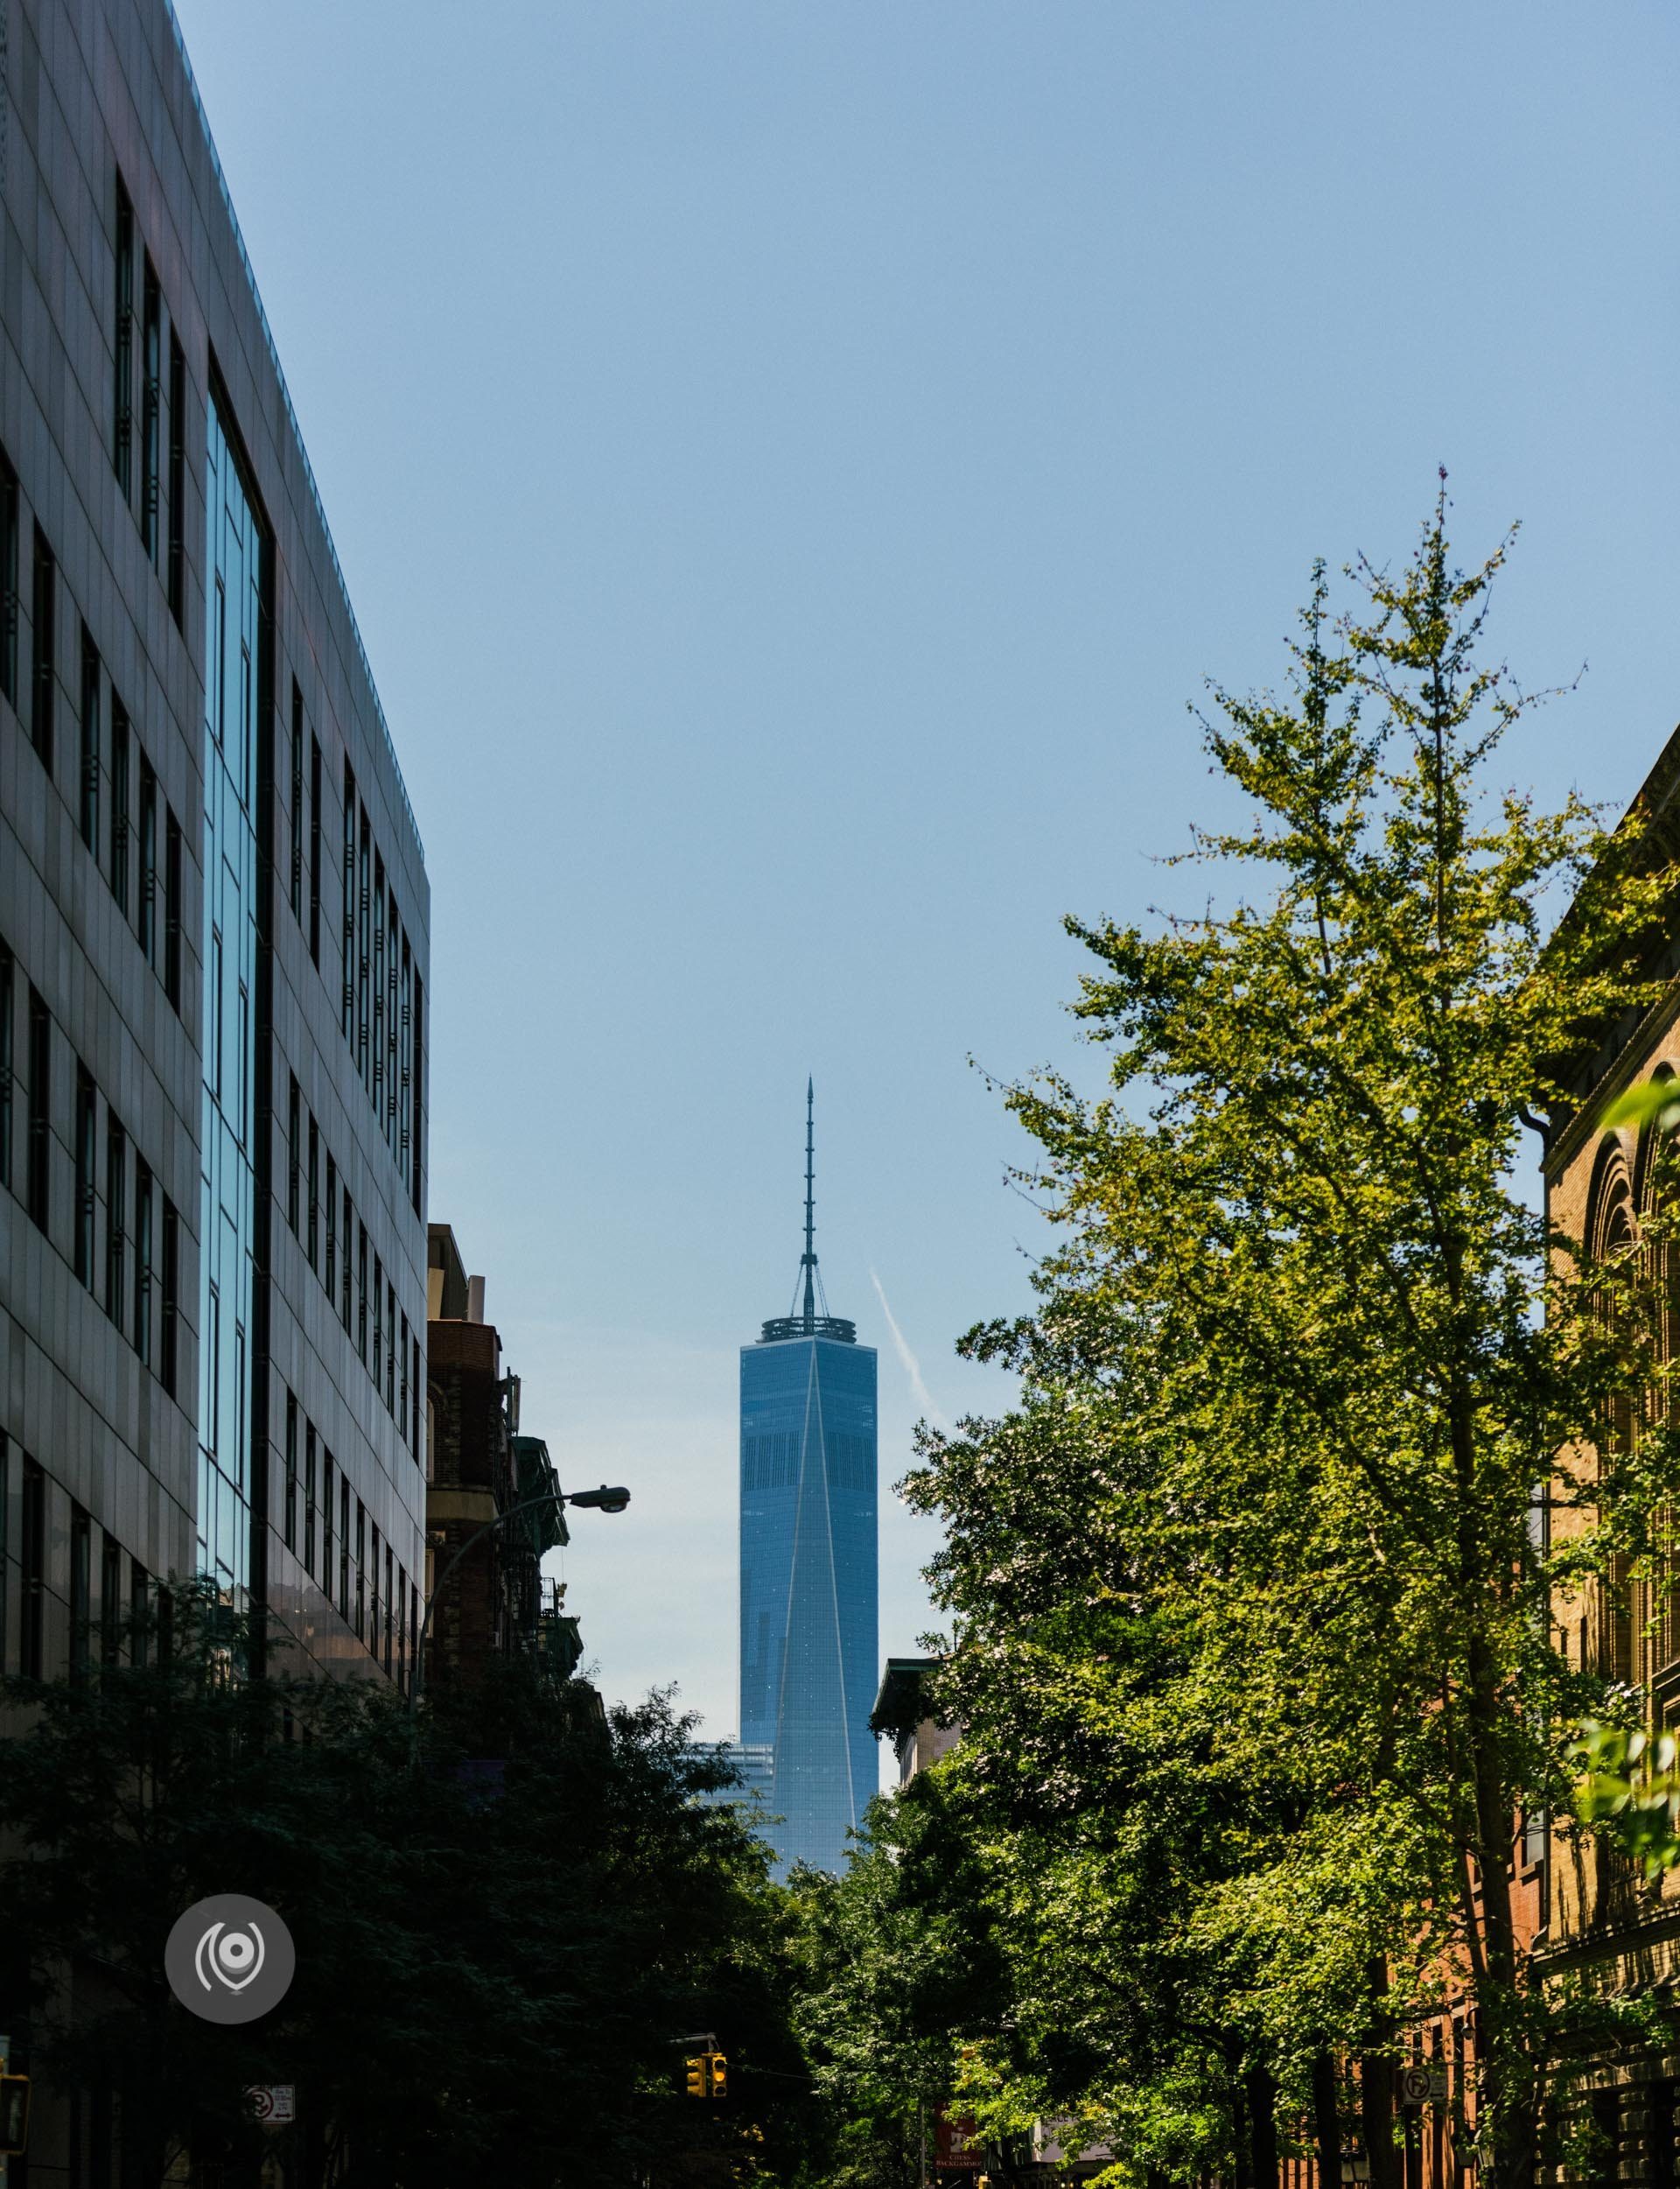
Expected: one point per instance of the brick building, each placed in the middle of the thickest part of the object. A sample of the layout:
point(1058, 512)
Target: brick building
point(1601, 1924)
point(478, 1466)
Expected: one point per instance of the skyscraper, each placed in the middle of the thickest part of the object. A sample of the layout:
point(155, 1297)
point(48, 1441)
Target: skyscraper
point(809, 1562)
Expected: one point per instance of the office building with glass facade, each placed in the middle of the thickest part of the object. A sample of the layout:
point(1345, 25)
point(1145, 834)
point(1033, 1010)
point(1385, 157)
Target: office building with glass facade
point(214, 920)
point(809, 1567)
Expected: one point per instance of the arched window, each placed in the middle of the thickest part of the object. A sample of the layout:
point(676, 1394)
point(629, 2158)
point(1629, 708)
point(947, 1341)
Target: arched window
point(1612, 1235)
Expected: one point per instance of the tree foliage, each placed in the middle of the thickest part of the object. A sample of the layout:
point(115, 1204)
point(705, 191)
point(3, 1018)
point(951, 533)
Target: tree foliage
point(1251, 1645)
point(502, 1925)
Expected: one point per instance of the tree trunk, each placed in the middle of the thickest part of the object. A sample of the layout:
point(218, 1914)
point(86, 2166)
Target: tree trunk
point(1376, 2118)
point(1505, 2076)
point(1260, 2093)
point(1326, 2120)
point(1241, 2145)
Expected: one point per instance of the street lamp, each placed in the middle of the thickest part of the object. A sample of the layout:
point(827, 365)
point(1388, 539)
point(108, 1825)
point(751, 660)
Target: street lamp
point(601, 1500)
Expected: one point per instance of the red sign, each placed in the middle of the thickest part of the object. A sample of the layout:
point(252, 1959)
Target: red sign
point(957, 2148)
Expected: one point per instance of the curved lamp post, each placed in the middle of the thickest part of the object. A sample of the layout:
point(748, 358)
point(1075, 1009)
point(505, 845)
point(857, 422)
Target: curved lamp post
point(603, 1500)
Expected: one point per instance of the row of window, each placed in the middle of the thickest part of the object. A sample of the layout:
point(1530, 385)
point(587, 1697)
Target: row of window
point(125, 1593)
point(388, 1622)
point(772, 1461)
point(140, 859)
point(322, 1220)
point(140, 1273)
point(127, 839)
point(383, 999)
point(147, 352)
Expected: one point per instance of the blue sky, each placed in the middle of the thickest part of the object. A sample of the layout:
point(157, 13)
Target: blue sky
point(794, 466)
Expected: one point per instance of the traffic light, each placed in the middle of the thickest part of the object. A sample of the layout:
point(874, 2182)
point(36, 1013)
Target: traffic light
point(14, 2115)
point(719, 2076)
point(695, 2066)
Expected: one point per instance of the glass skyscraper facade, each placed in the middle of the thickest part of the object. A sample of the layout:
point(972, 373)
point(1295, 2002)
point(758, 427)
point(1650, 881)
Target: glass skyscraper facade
point(234, 673)
point(809, 1568)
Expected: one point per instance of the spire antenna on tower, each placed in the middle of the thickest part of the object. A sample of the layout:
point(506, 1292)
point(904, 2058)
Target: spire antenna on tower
point(809, 1314)
point(809, 1263)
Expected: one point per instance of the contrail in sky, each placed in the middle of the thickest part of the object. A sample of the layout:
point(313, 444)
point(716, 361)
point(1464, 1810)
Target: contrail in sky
point(912, 1366)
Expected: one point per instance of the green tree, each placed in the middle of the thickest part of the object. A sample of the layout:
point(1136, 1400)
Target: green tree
point(498, 1937)
point(1252, 1643)
point(896, 1962)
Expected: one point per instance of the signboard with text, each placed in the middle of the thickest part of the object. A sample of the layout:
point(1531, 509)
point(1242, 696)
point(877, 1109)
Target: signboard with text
point(957, 2148)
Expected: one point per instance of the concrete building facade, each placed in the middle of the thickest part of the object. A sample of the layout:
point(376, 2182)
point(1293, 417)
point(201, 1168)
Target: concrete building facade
point(214, 918)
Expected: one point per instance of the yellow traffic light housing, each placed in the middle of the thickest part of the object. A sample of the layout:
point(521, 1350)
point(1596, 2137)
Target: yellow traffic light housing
point(695, 2068)
point(719, 2076)
point(14, 2115)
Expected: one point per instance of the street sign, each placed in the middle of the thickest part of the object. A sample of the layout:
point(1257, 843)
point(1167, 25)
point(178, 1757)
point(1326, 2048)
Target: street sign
point(1421, 2086)
point(274, 2104)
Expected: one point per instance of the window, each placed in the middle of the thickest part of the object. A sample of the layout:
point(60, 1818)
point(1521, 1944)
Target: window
point(415, 1388)
point(44, 603)
point(390, 1349)
point(405, 1138)
point(117, 1208)
point(89, 802)
point(9, 603)
point(344, 1548)
point(309, 1499)
point(119, 869)
point(388, 1120)
point(6, 1007)
point(315, 849)
point(41, 1109)
point(176, 479)
point(403, 1417)
point(297, 815)
point(419, 1024)
point(290, 1514)
point(241, 1056)
point(294, 1156)
point(139, 1613)
point(391, 1564)
point(150, 407)
point(364, 916)
point(86, 1115)
point(142, 1263)
point(331, 1276)
point(374, 1610)
point(314, 1192)
point(213, 974)
point(82, 1610)
point(122, 348)
point(327, 1523)
point(362, 1571)
point(32, 1563)
point(209, 1374)
point(348, 1006)
point(111, 1599)
point(378, 991)
point(219, 641)
point(147, 905)
point(379, 1324)
point(172, 909)
point(169, 1275)
point(345, 1242)
point(402, 1629)
point(361, 1292)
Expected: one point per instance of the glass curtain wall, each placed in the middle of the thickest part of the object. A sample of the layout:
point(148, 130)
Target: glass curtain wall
point(808, 1586)
point(234, 626)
